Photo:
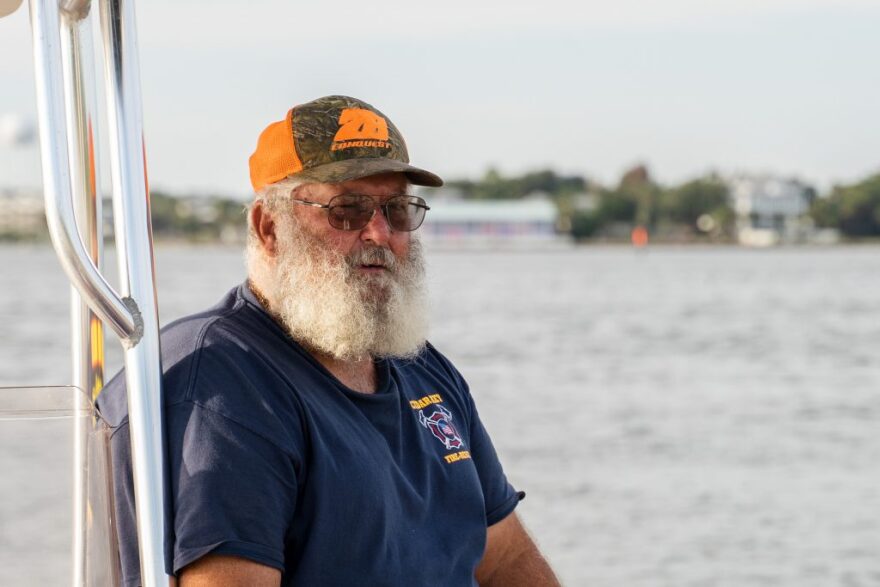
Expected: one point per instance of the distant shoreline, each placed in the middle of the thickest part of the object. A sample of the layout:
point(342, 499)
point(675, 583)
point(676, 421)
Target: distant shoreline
point(162, 243)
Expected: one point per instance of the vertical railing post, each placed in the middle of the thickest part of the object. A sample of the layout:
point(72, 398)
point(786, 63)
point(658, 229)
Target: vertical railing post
point(137, 278)
point(87, 331)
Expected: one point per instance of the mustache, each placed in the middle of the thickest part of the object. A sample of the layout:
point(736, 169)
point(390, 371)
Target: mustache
point(380, 256)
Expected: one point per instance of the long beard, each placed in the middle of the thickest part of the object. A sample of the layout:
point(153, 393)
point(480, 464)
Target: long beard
point(327, 305)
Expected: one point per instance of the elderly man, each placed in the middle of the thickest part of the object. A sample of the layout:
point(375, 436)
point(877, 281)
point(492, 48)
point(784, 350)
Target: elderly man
point(314, 436)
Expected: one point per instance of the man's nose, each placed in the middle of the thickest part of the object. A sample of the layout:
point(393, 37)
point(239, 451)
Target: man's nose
point(377, 229)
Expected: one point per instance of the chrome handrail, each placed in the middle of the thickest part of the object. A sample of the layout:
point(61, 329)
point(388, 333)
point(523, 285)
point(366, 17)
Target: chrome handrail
point(133, 315)
point(120, 314)
point(134, 246)
point(87, 339)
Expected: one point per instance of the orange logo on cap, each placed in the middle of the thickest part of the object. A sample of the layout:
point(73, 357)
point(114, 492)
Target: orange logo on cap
point(360, 128)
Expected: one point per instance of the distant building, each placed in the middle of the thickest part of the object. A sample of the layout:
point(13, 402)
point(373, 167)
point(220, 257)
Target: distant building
point(522, 224)
point(771, 210)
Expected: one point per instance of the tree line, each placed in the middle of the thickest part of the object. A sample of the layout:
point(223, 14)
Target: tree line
point(853, 209)
point(700, 208)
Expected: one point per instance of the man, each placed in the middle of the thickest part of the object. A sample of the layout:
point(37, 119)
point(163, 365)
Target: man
point(314, 436)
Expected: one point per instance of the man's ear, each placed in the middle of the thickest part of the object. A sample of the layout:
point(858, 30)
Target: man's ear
point(264, 227)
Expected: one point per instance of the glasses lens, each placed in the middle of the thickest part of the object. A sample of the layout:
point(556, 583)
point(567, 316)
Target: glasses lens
point(354, 211)
point(405, 213)
point(351, 211)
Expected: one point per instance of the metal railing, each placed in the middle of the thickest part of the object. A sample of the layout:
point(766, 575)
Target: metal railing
point(65, 105)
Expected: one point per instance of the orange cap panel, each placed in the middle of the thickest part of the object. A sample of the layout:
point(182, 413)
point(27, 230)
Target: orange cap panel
point(275, 157)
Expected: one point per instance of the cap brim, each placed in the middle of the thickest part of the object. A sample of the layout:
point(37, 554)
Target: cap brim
point(340, 171)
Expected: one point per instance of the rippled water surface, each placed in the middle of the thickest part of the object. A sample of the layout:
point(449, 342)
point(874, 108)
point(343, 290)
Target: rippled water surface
point(678, 417)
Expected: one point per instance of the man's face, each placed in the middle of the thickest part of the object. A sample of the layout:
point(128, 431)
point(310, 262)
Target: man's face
point(349, 294)
point(347, 242)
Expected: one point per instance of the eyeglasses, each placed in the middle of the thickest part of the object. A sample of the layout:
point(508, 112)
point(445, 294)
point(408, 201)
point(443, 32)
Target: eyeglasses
point(354, 211)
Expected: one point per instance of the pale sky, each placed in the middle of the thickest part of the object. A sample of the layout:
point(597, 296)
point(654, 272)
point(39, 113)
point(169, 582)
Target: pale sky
point(589, 87)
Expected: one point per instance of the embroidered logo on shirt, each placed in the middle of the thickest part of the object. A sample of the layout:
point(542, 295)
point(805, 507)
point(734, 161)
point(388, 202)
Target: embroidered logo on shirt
point(418, 404)
point(439, 422)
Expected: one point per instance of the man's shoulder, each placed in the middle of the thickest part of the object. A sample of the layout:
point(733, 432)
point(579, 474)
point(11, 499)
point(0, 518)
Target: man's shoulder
point(432, 368)
point(432, 360)
point(220, 331)
point(229, 327)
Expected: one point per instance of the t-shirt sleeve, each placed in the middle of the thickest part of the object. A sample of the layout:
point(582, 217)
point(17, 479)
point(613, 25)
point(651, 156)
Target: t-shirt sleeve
point(499, 495)
point(500, 498)
point(232, 491)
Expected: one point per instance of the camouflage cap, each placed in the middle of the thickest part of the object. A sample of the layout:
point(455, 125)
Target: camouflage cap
point(330, 140)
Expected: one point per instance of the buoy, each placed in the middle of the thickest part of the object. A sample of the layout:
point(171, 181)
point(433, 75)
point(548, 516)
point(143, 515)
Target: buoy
point(639, 236)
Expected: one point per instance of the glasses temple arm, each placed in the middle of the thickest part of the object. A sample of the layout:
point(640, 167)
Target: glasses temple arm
point(307, 203)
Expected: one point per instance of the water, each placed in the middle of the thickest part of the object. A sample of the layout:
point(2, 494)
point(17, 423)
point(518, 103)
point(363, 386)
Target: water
point(678, 417)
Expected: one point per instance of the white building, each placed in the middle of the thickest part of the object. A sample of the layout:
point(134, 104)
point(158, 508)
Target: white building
point(475, 224)
point(770, 210)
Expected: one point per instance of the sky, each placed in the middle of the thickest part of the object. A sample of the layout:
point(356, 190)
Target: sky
point(589, 88)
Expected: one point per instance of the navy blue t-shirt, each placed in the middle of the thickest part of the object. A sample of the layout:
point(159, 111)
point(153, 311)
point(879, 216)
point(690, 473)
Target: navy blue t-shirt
point(271, 458)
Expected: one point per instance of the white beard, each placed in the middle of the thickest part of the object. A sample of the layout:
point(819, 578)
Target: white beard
point(328, 306)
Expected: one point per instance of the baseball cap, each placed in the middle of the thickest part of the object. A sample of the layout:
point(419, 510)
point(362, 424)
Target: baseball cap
point(330, 140)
